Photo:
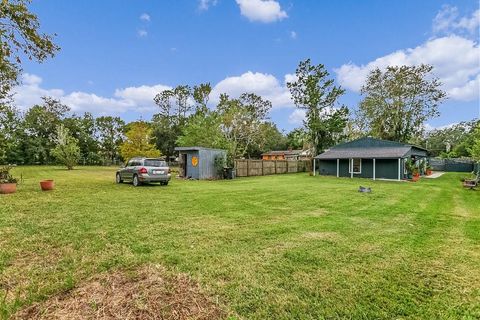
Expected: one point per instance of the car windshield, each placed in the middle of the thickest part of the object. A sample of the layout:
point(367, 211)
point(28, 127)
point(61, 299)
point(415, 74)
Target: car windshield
point(155, 163)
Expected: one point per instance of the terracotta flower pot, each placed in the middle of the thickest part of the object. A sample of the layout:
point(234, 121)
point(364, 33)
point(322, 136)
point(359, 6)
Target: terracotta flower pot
point(415, 178)
point(47, 185)
point(6, 188)
point(429, 172)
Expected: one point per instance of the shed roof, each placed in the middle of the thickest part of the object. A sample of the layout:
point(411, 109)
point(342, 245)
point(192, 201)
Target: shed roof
point(369, 148)
point(196, 149)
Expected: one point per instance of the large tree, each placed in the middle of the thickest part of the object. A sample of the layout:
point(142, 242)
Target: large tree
point(174, 107)
point(297, 138)
point(138, 142)
point(40, 130)
point(474, 149)
point(269, 138)
point(201, 95)
point(241, 122)
point(175, 110)
point(66, 151)
point(452, 141)
point(20, 37)
point(83, 129)
point(109, 132)
point(10, 127)
point(318, 95)
point(203, 129)
point(399, 100)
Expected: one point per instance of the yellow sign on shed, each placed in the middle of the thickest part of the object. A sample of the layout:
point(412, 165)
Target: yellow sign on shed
point(194, 161)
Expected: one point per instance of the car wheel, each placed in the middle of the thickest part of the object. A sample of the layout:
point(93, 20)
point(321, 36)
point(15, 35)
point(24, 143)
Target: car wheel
point(164, 183)
point(136, 182)
point(118, 178)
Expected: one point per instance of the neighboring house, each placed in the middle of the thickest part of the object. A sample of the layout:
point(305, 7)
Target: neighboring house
point(199, 162)
point(283, 155)
point(368, 158)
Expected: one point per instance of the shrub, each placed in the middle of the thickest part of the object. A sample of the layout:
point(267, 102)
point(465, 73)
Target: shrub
point(6, 176)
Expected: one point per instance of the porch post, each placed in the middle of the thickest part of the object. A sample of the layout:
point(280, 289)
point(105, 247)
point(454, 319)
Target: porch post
point(338, 168)
point(314, 167)
point(373, 168)
point(351, 168)
point(399, 167)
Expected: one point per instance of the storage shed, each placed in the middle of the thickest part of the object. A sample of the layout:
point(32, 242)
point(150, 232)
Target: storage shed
point(368, 158)
point(199, 162)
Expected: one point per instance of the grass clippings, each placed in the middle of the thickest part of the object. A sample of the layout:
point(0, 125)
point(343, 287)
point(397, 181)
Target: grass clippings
point(146, 293)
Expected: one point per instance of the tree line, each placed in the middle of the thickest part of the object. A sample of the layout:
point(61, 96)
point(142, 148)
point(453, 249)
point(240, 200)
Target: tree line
point(396, 104)
point(47, 132)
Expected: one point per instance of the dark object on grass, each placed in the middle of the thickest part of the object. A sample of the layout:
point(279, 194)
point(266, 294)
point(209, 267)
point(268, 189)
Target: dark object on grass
point(364, 189)
point(472, 183)
point(228, 173)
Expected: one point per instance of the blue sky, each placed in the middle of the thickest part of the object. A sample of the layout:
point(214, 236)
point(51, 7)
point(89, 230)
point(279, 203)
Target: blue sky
point(117, 54)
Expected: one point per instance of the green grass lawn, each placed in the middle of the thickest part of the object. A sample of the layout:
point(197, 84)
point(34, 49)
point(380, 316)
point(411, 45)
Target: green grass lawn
point(276, 247)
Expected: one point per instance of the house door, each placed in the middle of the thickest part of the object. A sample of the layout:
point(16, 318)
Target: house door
point(184, 165)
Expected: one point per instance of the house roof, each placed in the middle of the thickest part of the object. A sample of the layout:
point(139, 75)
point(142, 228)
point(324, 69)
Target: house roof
point(369, 148)
point(280, 152)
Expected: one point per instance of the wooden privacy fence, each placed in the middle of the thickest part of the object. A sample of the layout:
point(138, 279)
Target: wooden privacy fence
point(249, 168)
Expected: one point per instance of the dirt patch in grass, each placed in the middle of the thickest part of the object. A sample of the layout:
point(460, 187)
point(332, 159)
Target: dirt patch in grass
point(146, 293)
point(330, 236)
point(316, 213)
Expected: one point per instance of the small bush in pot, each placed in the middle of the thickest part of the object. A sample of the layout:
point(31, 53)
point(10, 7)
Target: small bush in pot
point(8, 184)
point(416, 174)
point(428, 171)
point(410, 166)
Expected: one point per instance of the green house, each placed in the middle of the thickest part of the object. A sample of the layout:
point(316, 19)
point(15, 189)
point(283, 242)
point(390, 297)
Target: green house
point(368, 158)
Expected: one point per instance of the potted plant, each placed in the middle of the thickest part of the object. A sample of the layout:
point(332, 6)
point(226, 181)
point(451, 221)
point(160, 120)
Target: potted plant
point(409, 165)
point(47, 185)
point(416, 174)
point(428, 170)
point(8, 184)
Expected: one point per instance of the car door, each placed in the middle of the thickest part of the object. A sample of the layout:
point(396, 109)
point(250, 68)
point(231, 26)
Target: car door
point(127, 172)
point(131, 168)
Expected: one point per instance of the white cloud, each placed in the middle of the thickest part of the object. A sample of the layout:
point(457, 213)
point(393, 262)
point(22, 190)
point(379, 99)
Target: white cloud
point(205, 4)
point(139, 99)
point(468, 92)
point(444, 19)
point(31, 79)
point(296, 117)
point(455, 60)
point(30, 92)
point(293, 35)
point(428, 127)
point(145, 17)
point(142, 33)
point(83, 102)
point(261, 10)
point(471, 24)
point(263, 84)
point(141, 96)
point(447, 21)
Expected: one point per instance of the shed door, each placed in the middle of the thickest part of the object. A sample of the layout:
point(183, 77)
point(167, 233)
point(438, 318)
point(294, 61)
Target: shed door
point(184, 164)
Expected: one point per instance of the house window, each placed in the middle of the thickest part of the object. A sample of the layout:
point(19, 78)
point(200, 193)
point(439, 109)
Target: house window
point(356, 165)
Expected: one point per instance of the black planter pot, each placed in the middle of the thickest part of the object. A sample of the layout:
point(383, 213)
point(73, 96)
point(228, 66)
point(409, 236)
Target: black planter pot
point(228, 173)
